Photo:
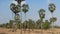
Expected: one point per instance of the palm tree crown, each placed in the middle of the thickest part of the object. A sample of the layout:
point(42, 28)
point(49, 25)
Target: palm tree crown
point(25, 8)
point(15, 8)
point(51, 7)
point(53, 19)
point(42, 13)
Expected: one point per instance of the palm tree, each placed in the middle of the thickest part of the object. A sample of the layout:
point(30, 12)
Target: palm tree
point(25, 9)
point(51, 8)
point(15, 9)
point(53, 19)
point(41, 15)
point(38, 24)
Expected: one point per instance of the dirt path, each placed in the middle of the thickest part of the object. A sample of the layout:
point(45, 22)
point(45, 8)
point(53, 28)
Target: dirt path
point(36, 31)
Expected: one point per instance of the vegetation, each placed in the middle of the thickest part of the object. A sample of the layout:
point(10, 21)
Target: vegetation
point(30, 24)
point(46, 25)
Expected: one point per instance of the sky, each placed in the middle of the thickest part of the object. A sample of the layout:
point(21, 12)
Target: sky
point(34, 6)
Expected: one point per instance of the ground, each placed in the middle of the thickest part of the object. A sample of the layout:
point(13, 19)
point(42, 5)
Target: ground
point(35, 31)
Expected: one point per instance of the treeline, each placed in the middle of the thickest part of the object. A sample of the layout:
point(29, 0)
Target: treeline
point(29, 24)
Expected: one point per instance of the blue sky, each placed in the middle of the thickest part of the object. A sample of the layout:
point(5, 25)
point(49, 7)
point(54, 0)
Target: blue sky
point(34, 6)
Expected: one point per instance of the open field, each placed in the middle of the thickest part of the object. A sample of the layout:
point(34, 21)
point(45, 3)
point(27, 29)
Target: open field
point(35, 31)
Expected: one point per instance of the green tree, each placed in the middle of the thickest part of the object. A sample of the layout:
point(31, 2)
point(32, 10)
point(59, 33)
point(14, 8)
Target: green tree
point(52, 8)
point(10, 23)
point(46, 24)
point(31, 24)
point(25, 9)
point(7, 25)
point(41, 15)
point(25, 24)
point(53, 19)
point(38, 24)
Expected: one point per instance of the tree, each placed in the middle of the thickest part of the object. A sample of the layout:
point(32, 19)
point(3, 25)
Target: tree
point(46, 24)
point(25, 24)
point(41, 15)
point(15, 8)
point(25, 9)
point(38, 24)
point(53, 19)
point(31, 24)
point(52, 8)
point(10, 23)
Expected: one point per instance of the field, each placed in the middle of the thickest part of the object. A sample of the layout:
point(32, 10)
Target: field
point(35, 31)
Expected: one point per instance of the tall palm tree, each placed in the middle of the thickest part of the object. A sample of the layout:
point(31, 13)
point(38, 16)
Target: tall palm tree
point(52, 8)
point(25, 9)
point(41, 15)
point(15, 9)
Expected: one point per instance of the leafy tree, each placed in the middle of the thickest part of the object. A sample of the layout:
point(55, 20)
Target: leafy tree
point(53, 19)
point(46, 24)
point(31, 24)
point(38, 24)
point(11, 23)
point(25, 24)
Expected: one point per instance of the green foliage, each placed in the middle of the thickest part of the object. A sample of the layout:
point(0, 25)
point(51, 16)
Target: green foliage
point(1, 25)
point(24, 24)
point(25, 8)
point(38, 24)
point(46, 25)
point(30, 24)
point(15, 8)
point(52, 7)
point(42, 13)
point(53, 19)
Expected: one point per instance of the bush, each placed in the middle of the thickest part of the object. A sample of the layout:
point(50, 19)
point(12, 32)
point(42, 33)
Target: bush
point(46, 25)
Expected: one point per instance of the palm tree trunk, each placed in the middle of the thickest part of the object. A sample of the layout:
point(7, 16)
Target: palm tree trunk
point(29, 27)
point(20, 20)
point(21, 24)
point(25, 24)
point(41, 26)
point(52, 25)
